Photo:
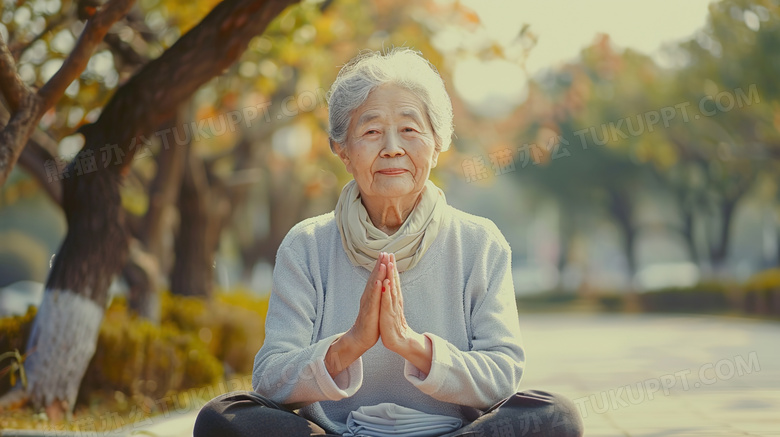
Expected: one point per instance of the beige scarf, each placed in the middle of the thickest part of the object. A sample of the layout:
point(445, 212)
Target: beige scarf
point(363, 241)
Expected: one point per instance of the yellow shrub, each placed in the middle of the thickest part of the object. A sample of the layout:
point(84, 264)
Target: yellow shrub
point(764, 280)
point(762, 293)
point(232, 325)
point(135, 356)
point(14, 332)
point(188, 349)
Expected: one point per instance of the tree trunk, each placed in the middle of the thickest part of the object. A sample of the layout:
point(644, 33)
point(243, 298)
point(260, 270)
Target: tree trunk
point(164, 192)
point(95, 247)
point(729, 197)
point(65, 329)
point(687, 207)
point(142, 275)
point(566, 234)
point(280, 189)
point(688, 235)
point(621, 209)
point(777, 253)
point(151, 254)
point(720, 247)
point(203, 210)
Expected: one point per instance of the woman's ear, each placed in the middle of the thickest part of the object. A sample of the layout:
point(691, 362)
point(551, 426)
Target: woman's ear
point(341, 151)
point(435, 158)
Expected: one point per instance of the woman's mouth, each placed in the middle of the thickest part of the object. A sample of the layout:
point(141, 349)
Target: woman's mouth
point(392, 171)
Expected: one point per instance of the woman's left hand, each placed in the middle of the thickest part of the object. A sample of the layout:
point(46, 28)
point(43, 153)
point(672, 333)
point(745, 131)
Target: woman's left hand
point(396, 334)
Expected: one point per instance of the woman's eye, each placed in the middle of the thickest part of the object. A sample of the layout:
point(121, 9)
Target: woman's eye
point(409, 129)
point(372, 131)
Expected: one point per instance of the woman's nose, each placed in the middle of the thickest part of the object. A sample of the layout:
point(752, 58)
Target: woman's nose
point(392, 145)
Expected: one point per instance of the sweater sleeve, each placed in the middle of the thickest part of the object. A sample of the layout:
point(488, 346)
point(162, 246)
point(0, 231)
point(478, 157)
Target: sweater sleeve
point(492, 369)
point(290, 369)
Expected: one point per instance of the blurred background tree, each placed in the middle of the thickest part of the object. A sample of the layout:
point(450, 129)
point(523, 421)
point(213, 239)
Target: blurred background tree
point(66, 327)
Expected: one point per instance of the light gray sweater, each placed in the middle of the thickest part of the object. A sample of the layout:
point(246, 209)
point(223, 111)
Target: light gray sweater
point(460, 295)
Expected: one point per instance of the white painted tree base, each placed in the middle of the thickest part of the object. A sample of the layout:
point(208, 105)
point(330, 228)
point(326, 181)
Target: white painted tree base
point(61, 345)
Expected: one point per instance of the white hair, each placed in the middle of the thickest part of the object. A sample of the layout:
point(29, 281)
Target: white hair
point(400, 66)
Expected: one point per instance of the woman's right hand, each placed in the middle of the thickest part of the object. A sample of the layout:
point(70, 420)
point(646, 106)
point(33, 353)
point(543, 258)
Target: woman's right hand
point(365, 331)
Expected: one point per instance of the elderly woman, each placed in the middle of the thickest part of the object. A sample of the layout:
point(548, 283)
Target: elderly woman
point(395, 313)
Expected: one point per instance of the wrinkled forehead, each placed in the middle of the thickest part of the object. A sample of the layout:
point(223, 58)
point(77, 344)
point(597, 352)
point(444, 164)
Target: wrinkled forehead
point(405, 112)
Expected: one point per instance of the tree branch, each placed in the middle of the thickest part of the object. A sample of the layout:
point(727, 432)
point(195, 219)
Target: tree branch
point(93, 34)
point(33, 159)
point(155, 92)
point(45, 141)
point(14, 136)
point(40, 148)
point(28, 107)
point(11, 84)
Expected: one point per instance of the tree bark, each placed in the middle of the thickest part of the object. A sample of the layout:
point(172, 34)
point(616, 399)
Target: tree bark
point(687, 232)
point(149, 255)
point(33, 159)
point(66, 326)
point(687, 206)
point(163, 195)
point(280, 189)
point(729, 197)
point(620, 207)
point(39, 149)
point(95, 247)
point(566, 232)
point(777, 248)
point(142, 274)
point(27, 107)
point(720, 247)
point(203, 210)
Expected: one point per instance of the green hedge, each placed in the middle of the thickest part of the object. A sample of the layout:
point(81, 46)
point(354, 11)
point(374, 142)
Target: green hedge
point(703, 297)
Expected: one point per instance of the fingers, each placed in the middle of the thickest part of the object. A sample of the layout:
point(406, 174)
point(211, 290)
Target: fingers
point(379, 262)
point(392, 286)
point(396, 280)
point(378, 274)
point(374, 301)
point(380, 269)
point(392, 298)
point(376, 289)
point(387, 297)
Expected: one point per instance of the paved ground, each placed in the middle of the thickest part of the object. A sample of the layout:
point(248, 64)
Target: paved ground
point(659, 375)
point(642, 376)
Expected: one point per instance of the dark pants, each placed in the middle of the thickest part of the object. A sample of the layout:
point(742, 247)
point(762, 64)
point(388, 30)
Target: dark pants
point(529, 413)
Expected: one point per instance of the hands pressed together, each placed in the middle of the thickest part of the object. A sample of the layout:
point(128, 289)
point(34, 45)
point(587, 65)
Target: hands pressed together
point(381, 315)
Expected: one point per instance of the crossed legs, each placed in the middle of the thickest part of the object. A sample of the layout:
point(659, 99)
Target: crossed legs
point(532, 413)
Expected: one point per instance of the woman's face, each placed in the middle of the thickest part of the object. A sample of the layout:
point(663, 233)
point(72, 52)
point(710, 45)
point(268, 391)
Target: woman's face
point(390, 146)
